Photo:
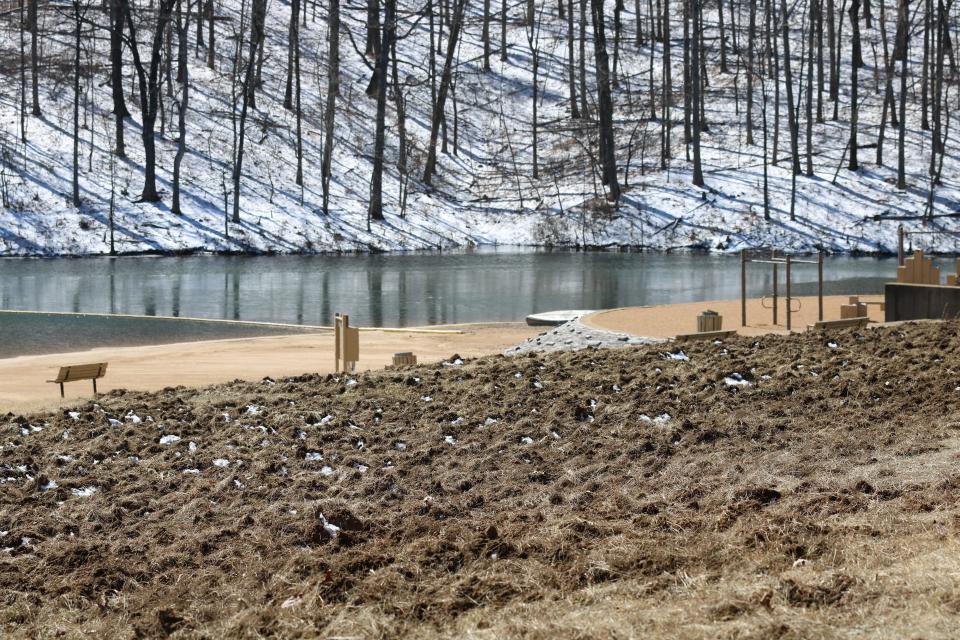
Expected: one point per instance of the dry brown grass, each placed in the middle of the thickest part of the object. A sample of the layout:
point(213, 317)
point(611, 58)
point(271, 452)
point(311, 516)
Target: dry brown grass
point(821, 501)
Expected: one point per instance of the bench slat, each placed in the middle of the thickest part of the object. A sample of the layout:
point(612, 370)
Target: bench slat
point(81, 372)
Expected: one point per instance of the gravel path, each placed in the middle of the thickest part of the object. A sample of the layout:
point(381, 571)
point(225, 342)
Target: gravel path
point(574, 335)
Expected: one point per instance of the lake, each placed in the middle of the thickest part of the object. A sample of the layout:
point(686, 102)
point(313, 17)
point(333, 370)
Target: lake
point(400, 289)
point(409, 289)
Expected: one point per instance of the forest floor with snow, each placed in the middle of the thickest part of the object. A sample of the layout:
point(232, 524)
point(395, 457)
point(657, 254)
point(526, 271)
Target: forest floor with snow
point(485, 193)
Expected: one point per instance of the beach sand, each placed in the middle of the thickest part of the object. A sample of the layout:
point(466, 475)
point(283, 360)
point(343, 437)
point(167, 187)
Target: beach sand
point(23, 386)
point(149, 368)
point(667, 321)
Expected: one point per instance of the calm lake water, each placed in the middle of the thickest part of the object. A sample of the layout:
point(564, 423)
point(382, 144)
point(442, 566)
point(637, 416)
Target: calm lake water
point(380, 290)
point(399, 289)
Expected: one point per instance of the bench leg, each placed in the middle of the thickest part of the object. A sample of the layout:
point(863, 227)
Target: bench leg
point(61, 389)
point(94, 387)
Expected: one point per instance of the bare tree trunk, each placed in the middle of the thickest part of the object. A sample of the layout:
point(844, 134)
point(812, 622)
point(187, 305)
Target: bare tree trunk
point(373, 28)
point(333, 90)
point(78, 23)
point(183, 72)
point(925, 65)
point(503, 30)
point(23, 75)
point(32, 18)
point(687, 95)
point(697, 92)
point(751, 35)
point(571, 64)
point(788, 78)
point(820, 76)
point(604, 104)
point(149, 87)
point(120, 111)
point(888, 99)
point(584, 107)
point(900, 53)
point(614, 71)
point(809, 88)
point(431, 162)
point(211, 35)
point(723, 37)
point(401, 127)
point(258, 10)
point(375, 209)
point(832, 43)
point(854, 107)
point(665, 124)
point(293, 35)
point(485, 35)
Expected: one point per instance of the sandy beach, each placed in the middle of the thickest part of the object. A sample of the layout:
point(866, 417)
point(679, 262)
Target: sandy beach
point(23, 386)
point(667, 321)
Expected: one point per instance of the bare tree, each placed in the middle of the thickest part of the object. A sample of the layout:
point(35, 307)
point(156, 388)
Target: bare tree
point(375, 208)
point(697, 96)
point(333, 90)
point(149, 85)
point(604, 104)
point(258, 10)
point(183, 74)
point(854, 82)
point(440, 102)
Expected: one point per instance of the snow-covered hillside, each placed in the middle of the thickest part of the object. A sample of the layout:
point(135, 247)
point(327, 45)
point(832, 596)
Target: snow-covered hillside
point(485, 192)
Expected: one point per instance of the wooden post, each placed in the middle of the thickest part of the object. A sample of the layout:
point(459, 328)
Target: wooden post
point(789, 310)
point(94, 387)
point(743, 287)
point(776, 276)
point(337, 333)
point(900, 252)
point(346, 344)
point(61, 389)
point(820, 285)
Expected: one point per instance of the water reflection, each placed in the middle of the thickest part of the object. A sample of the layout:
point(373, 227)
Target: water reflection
point(398, 290)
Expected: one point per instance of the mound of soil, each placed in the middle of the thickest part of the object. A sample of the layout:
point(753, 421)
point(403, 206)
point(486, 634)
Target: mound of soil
point(760, 487)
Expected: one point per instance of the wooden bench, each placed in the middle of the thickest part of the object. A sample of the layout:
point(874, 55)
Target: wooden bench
point(77, 372)
point(846, 323)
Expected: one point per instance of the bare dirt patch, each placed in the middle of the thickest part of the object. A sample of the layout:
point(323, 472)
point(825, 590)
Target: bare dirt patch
point(764, 487)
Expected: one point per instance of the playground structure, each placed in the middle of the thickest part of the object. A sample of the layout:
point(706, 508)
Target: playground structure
point(775, 261)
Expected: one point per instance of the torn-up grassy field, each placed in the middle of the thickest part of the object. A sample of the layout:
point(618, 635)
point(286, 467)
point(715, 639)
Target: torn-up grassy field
point(775, 487)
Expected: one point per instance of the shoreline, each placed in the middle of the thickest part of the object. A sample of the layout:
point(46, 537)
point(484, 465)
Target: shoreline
point(23, 386)
point(491, 248)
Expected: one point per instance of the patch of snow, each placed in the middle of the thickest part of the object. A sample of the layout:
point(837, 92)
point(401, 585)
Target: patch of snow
point(84, 492)
point(169, 439)
point(736, 380)
point(313, 456)
point(221, 462)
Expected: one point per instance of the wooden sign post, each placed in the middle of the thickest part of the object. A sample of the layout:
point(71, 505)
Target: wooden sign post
point(346, 345)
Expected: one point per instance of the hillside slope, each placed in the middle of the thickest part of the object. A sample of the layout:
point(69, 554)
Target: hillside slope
point(486, 193)
point(775, 487)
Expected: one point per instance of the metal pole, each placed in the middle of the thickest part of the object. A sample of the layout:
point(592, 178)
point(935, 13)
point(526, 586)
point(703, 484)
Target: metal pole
point(900, 254)
point(743, 287)
point(820, 285)
point(789, 310)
